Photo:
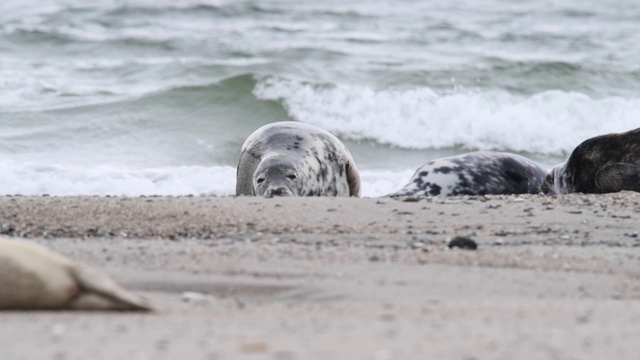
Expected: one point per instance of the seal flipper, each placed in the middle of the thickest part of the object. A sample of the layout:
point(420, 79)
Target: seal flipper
point(98, 291)
point(353, 177)
point(617, 177)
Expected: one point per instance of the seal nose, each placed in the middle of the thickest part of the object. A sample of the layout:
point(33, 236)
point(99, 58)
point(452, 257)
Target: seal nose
point(280, 191)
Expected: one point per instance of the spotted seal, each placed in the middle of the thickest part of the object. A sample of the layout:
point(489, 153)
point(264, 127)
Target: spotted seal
point(295, 159)
point(602, 164)
point(475, 173)
point(32, 277)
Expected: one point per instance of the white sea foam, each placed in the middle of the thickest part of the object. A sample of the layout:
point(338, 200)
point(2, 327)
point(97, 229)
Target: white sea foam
point(551, 122)
point(382, 182)
point(63, 180)
point(38, 179)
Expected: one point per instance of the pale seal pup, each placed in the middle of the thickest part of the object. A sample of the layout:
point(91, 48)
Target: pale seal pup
point(295, 159)
point(475, 173)
point(602, 164)
point(32, 277)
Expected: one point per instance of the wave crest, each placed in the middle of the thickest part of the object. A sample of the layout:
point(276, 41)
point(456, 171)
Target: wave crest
point(61, 180)
point(550, 122)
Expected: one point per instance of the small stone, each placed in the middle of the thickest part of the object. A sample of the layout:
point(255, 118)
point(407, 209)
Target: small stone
point(387, 317)
point(463, 243)
point(371, 244)
point(193, 297)
point(58, 329)
point(254, 347)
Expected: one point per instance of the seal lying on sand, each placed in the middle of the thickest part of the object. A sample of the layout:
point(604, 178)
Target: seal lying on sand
point(32, 277)
point(295, 159)
point(602, 164)
point(475, 173)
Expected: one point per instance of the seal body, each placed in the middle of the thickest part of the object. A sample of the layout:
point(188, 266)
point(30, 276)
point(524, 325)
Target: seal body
point(602, 164)
point(475, 173)
point(32, 277)
point(295, 159)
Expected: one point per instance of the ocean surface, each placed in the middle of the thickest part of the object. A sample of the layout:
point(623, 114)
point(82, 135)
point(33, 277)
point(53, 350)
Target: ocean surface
point(148, 97)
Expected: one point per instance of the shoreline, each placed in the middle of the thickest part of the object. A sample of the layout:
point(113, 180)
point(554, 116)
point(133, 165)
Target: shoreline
point(317, 278)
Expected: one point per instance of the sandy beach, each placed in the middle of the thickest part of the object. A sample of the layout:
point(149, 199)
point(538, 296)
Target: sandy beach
point(341, 278)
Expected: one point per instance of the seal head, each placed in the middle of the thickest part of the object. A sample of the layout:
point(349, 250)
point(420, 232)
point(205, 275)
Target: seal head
point(295, 159)
point(277, 176)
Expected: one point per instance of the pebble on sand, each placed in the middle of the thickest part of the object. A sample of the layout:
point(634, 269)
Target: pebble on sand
point(463, 243)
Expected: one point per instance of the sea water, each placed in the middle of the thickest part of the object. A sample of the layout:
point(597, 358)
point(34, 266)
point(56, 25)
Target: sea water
point(147, 97)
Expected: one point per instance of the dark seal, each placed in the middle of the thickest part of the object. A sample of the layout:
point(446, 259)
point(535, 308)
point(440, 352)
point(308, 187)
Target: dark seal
point(602, 164)
point(475, 173)
point(295, 159)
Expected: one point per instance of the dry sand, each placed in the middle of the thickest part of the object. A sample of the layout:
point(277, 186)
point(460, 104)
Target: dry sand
point(327, 278)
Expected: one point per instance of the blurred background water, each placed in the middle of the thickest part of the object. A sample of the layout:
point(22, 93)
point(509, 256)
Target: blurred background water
point(156, 97)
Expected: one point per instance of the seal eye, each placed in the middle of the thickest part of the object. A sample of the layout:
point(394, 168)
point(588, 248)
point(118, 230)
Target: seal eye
point(292, 176)
point(260, 180)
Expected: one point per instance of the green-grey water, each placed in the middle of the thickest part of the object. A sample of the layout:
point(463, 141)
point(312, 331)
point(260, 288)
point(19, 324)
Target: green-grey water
point(156, 97)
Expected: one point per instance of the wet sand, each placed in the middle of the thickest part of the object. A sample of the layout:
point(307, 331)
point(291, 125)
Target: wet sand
point(326, 278)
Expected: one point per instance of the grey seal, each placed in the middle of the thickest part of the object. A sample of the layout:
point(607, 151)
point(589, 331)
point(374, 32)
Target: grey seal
point(295, 159)
point(33, 277)
point(602, 164)
point(475, 173)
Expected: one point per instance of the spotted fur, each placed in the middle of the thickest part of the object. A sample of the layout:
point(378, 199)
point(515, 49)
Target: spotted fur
point(295, 159)
point(476, 173)
point(602, 164)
